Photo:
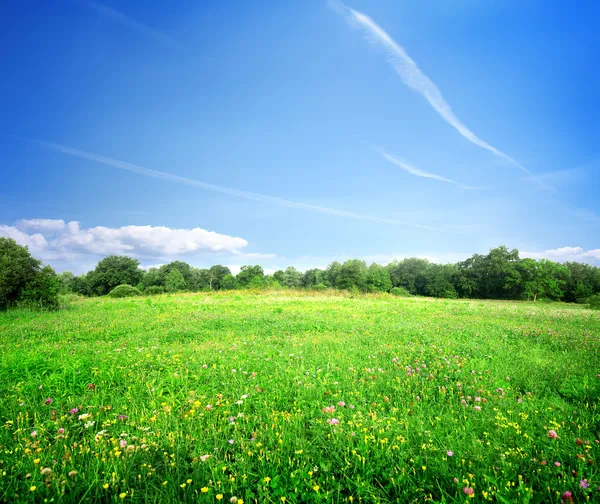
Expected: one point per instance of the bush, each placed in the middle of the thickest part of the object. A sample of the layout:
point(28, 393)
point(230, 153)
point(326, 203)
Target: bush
point(319, 287)
point(121, 291)
point(400, 292)
point(42, 291)
point(594, 301)
point(153, 290)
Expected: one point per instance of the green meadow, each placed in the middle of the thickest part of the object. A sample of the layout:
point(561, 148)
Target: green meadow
point(299, 398)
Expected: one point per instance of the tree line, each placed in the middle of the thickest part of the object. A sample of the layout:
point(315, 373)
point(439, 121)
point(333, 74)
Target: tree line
point(500, 274)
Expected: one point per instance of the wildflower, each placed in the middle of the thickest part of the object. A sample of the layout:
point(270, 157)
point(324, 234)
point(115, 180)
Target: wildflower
point(477, 408)
point(73, 473)
point(182, 485)
point(105, 486)
point(455, 480)
point(219, 496)
point(552, 434)
point(46, 470)
point(209, 406)
point(543, 462)
point(32, 489)
point(48, 401)
point(240, 402)
point(36, 461)
point(567, 497)
point(123, 495)
point(316, 488)
point(231, 420)
point(233, 499)
point(34, 433)
point(351, 406)
point(468, 491)
point(204, 489)
point(230, 441)
point(61, 431)
point(329, 409)
point(84, 416)
point(557, 464)
point(333, 421)
point(584, 484)
point(122, 418)
point(73, 411)
point(341, 404)
point(91, 386)
point(123, 443)
point(449, 453)
point(204, 457)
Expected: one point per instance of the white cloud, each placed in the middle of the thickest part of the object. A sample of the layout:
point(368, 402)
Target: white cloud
point(272, 200)
point(68, 241)
point(564, 254)
point(414, 78)
point(420, 173)
point(42, 224)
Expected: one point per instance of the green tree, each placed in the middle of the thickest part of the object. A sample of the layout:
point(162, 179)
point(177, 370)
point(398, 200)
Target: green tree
point(152, 278)
point(292, 278)
point(352, 274)
point(251, 277)
point(410, 273)
point(378, 279)
point(331, 274)
point(217, 273)
point(228, 282)
point(17, 269)
point(278, 276)
point(175, 281)
point(113, 271)
point(66, 279)
point(184, 268)
point(42, 290)
point(542, 278)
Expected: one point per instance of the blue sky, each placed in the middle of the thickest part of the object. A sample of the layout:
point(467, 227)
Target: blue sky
point(296, 133)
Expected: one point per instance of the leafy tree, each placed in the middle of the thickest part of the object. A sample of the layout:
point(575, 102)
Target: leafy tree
point(152, 278)
point(292, 278)
point(113, 271)
point(279, 276)
point(184, 268)
point(542, 278)
point(42, 290)
point(228, 282)
point(378, 278)
point(174, 281)
point(251, 277)
point(353, 273)
point(439, 281)
point(17, 270)
point(217, 273)
point(81, 286)
point(410, 274)
point(200, 280)
point(583, 282)
point(66, 279)
point(331, 274)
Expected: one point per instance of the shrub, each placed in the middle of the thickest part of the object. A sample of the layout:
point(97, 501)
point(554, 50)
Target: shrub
point(153, 290)
point(121, 291)
point(400, 292)
point(42, 291)
point(594, 301)
point(319, 287)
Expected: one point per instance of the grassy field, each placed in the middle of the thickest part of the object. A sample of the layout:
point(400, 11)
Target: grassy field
point(287, 397)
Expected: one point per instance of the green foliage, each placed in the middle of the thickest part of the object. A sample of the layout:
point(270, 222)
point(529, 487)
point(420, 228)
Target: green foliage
point(22, 279)
point(42, 291)
point(352, 275)
point(174, 281)
point(154, 290)
point(400, 292)
point(125, 290)
point(410, 274)
point(216, 275)
point(378, 279)
point(113, 271)
point(594, 301)
point(228, 282)
point(319, 287)
point(251, 277)
point(66, 279)
point(292, 278)
point(17, 269)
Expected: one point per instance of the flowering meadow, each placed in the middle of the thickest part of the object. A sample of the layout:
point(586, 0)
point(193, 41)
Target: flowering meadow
point(299, 398)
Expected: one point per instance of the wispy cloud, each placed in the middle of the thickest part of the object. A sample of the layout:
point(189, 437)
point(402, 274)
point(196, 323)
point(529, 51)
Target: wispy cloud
point(414, 78)
point(140, 170)
point(420, 173)
point(564, 254)
point(124, 20)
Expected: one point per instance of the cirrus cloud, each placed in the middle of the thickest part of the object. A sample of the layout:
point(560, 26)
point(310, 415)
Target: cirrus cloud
point(565, 254)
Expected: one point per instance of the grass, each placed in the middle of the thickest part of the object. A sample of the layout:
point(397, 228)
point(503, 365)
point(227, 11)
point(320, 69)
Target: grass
point(299, 397)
